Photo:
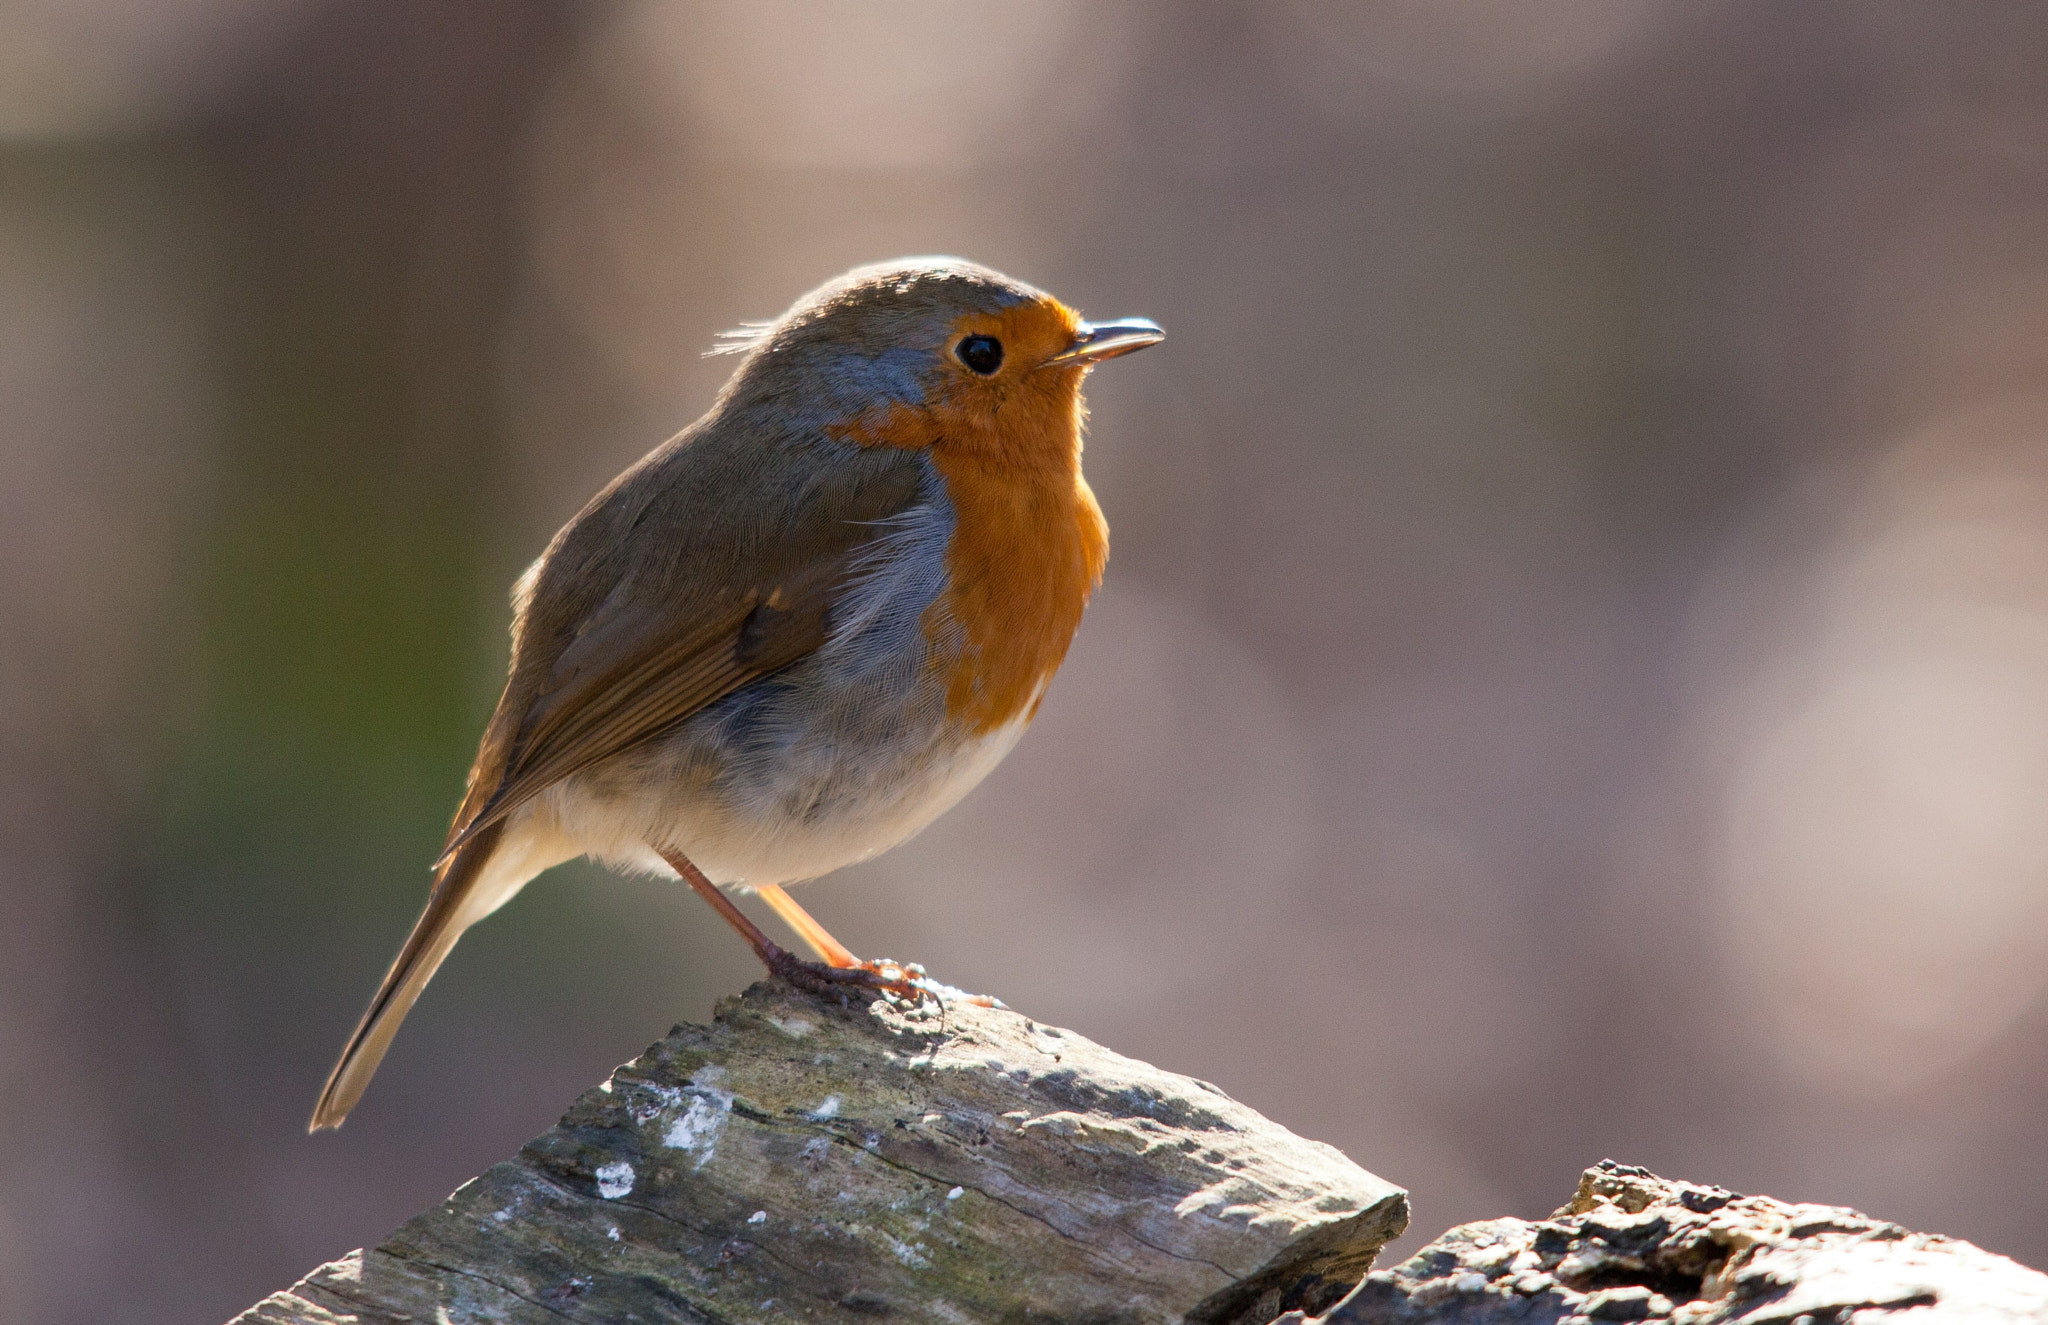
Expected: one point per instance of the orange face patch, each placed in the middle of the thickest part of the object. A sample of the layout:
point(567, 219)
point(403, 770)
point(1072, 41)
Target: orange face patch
point(1029, 541)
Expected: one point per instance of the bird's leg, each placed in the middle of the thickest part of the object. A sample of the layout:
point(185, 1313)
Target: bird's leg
point(814, 976)
point(830, 950)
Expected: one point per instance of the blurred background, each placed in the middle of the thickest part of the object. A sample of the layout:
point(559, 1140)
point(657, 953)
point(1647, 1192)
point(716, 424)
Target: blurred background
point(1572, 678)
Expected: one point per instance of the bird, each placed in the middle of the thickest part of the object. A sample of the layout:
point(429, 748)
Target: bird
point(792, 635)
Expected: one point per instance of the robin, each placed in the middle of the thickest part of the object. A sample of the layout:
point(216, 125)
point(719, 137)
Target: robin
point(794, 634)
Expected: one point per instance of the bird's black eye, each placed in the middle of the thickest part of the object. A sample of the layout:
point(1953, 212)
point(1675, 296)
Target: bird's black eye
point(984, 354)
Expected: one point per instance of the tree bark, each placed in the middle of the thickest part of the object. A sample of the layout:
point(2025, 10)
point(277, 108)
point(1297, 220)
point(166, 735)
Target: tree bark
point(1631, 1246)
point(800, 1159)
point(804, 1160)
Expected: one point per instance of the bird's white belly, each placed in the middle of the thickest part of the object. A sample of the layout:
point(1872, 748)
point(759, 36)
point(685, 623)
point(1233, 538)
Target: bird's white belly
point(754, 839)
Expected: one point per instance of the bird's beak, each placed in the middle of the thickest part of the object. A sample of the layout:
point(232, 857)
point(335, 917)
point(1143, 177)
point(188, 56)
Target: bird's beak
point(1106, 340)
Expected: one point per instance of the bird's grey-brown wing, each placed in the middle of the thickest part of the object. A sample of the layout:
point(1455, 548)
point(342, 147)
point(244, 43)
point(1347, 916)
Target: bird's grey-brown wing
point(712, 563)
point(686, 621)
point(646, 675)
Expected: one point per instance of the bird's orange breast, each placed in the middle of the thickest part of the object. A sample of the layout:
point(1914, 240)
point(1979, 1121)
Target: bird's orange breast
point(1029, 541)
point(1027, 551)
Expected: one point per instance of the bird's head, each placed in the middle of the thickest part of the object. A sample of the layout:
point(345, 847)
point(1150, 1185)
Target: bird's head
point(930, 352)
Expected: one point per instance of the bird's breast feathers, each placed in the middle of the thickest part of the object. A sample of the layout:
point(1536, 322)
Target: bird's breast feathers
point(950, 628)
point(1024, 558)
point(1028, 546)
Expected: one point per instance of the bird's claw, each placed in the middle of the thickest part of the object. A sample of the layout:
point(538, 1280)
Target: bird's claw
point(927, 992)
point(905, 984)
point(885, 977)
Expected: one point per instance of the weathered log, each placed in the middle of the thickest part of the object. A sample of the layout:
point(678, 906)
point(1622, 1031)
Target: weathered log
point(1631, 1246)
point(803, 1160)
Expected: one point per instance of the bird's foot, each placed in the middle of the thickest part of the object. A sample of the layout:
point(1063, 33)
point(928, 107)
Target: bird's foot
point(904, 984)
point(929, 993)
point(885, 977)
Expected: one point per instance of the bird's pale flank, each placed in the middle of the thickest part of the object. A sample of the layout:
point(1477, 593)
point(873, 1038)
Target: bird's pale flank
point(794, 634)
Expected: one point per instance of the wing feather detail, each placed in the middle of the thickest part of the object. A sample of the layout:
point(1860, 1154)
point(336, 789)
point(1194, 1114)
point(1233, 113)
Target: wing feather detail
point(603, 707)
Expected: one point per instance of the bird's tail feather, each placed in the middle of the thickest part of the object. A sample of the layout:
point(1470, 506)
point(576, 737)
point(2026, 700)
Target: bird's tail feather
point(457, 902)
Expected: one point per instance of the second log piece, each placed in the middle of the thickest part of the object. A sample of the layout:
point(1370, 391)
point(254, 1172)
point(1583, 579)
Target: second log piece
point(1635, 1247)
point(798, 1160)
